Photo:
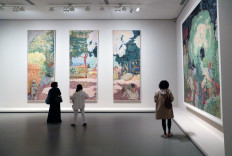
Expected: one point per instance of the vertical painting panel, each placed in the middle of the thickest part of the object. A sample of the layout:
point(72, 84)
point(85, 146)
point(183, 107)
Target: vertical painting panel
point(126, 67)
point(83, 61)
point(41, 50)
point(201, 58)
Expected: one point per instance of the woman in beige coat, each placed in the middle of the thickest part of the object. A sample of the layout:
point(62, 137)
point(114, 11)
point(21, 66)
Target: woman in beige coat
point(163, 112)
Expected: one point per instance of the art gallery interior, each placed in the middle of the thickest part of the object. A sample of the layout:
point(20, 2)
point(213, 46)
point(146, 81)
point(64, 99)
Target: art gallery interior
point(114, 128)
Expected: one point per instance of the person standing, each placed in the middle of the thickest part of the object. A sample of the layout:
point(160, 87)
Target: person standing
point(78, 99)
point(54, 95)
point(164, 110)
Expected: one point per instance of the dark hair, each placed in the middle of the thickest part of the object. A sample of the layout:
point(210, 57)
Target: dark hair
point(79, 87)
point(54, 84)
point(163, 84)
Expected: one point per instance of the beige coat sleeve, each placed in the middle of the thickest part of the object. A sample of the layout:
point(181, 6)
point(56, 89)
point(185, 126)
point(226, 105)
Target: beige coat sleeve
point(171, 95)
point(156, 97)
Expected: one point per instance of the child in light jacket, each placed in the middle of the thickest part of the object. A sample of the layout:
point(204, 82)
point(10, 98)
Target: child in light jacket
point(78, 99)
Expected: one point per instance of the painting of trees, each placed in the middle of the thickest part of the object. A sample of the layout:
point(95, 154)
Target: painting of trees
point(41, 49)
point(83, 60)
point(126, 46)
point(201, 58)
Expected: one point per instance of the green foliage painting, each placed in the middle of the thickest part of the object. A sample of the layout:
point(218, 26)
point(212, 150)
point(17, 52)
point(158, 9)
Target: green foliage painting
point(126, 51)
point(41, 49)
point(201, 58)
point(83, 52)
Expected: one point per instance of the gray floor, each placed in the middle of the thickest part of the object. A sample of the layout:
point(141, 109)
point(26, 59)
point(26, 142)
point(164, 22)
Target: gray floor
point(107, 134)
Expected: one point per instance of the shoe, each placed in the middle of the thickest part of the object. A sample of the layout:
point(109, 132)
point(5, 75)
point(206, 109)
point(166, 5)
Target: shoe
point(84, 124)
point(170, 134)
point(165, 135)
point(73, 125)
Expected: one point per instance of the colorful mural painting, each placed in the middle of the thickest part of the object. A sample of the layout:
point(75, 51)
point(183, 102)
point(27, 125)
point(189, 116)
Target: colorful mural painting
point(41, 50)
point(126, 52)
point(201, 58)
point(83, 61)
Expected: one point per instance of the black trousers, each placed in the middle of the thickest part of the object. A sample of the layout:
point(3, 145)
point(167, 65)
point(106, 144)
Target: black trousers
point(164, 125)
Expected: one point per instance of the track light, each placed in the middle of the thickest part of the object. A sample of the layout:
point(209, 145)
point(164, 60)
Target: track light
point(68, 8)
point(18, 9)
point(71, 8)
point(124, 8)
point(87, 8)
point(51, 9)
point(15, 8)
point(138, 9)
point(21, 9)
point(1, 6)
point(102, 8)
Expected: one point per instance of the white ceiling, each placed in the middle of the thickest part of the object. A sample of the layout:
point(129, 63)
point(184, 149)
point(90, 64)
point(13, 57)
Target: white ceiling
point(150, 9)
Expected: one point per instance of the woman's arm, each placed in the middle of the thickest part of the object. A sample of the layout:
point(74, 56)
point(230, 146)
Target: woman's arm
point(156, 97)
point(171, 96)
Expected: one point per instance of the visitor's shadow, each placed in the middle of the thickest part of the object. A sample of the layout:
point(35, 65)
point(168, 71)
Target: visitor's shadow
point(179, 137)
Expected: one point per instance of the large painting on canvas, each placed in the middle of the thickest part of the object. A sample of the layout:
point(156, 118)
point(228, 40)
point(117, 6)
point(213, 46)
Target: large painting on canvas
point(83, 61)
point(201, 58)
point(126, 66)
point(41, 50)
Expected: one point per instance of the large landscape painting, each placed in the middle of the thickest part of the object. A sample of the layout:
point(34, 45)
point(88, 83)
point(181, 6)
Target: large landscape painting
point(41, 50)
point(126, 70)
point(201, 58)
point(83, 61)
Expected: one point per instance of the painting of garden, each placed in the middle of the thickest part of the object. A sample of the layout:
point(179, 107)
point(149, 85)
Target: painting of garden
point(83, 61)
point(126, 70)
point(201, 58)
point(41, 49)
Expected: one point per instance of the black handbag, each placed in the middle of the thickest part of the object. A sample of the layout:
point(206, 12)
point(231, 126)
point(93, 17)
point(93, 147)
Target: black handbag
point(58, 99)
point(167, 101)
point(47, 101)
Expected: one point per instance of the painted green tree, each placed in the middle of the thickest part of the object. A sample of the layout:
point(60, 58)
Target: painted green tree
point(79, 46)
point(44, 43)
point(131, 58)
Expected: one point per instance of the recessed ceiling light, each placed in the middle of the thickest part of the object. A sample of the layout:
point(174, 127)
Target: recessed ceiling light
point(138, 9)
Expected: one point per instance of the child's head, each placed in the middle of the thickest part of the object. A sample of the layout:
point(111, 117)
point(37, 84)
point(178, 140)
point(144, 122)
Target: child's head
point(79, 87)
point(163, 84)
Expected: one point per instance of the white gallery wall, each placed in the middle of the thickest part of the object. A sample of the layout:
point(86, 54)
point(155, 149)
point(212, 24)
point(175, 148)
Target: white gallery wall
point(225, 32)
point(158, 61)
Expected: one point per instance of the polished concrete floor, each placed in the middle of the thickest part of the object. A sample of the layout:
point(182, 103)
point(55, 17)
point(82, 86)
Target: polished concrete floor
point(107, 134)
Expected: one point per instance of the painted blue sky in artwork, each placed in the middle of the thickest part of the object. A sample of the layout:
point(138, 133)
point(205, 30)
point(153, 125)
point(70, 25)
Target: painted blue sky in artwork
point(91, 61)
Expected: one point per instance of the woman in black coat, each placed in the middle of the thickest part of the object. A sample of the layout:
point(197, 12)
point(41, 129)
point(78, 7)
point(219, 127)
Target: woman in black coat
point(54, 114)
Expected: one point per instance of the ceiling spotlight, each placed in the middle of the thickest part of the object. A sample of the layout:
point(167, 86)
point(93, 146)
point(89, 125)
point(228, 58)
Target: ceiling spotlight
point(66, 9)
point(71, 8)
point(102, 8)
point(51, 9)
point(138, 9)
point(21, 9)
point(117, 8)
point(1, 4)
point(87, 8)
point(124, 8)
point(16, 9)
